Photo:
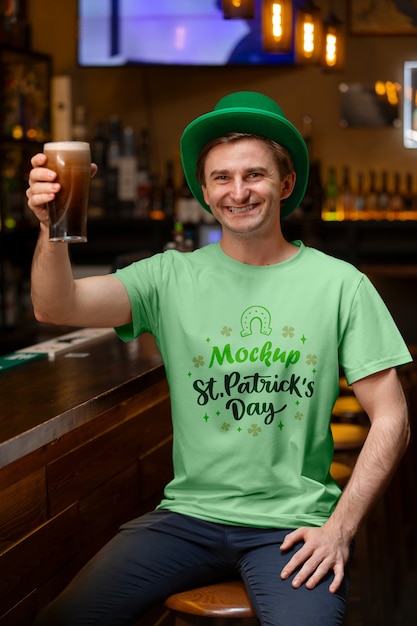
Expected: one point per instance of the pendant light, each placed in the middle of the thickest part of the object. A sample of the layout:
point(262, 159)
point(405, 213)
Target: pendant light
point(308, 34)
point(277, 25)
point(333, 44)
point(238, 9)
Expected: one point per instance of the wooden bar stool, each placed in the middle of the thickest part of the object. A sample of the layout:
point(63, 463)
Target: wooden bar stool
point(221, 604)
point(348, 440)
point(341, 472)
point(348, 409)
point(348, 436)
point(345, 389)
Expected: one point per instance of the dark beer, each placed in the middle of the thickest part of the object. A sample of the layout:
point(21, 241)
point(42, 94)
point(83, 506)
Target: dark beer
point(71, 160)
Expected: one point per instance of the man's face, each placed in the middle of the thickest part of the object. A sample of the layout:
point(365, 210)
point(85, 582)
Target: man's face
point(243, 186)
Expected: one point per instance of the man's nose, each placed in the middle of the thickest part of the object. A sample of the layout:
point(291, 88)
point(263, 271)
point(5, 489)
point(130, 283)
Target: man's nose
point(240, 190)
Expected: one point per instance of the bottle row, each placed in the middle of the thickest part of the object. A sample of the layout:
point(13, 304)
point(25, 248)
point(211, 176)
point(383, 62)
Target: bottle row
point(126, 186)
point(125, 183)
point(383, 196)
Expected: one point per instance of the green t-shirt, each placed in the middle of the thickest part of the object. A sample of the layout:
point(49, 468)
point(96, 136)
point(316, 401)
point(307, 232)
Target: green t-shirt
point(252, 358)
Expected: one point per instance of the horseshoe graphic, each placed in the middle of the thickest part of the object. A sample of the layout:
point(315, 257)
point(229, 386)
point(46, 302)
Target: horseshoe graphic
point(253, 313)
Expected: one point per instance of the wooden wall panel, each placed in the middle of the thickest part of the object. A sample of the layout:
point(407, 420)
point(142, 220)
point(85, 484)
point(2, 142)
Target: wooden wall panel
point(82, 470)
point(116, 414)
point(36, 557)
point(22, 508)
point(155, 468)
point(105, 509)
point(21, 468)
point(23, 613)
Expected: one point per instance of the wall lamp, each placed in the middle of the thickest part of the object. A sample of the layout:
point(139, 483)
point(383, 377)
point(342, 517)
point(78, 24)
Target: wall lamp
point(238, 9)
point(277, 25)
point(316, 41)
point(334, 44)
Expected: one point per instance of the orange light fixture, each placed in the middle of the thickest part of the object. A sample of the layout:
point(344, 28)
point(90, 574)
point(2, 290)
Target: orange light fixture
point(276, 25)
point(334, 44)
point(238, 9)
point(308, 34)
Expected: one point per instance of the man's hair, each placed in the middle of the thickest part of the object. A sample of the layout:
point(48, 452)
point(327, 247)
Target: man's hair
point(280, 154)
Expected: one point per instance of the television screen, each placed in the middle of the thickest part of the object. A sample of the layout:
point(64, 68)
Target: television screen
point(169, 32)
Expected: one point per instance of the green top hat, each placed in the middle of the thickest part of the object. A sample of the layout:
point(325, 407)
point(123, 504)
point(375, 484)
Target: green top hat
point(246, 112)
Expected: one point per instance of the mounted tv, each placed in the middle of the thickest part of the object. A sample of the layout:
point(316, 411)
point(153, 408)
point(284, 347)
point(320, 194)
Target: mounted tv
point(169, 32)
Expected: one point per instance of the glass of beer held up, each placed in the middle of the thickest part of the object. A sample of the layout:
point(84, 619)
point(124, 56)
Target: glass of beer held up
point(71, 160)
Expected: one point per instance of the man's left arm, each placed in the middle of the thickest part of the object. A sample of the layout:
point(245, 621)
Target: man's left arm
point(327, 548)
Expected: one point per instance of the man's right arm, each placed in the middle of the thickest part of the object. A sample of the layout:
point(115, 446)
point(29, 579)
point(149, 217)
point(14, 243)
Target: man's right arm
point(57, 297)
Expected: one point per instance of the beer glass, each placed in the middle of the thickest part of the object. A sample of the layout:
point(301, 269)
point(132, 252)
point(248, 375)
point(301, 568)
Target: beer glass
point(71, 160)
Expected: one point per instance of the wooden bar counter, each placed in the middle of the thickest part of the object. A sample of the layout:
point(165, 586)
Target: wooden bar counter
point(85, 445)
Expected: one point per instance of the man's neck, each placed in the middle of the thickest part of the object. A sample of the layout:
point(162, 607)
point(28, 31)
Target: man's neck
point(250, 251)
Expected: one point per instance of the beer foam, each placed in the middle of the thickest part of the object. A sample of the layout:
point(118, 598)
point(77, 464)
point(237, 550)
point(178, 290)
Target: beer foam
point(67, 145)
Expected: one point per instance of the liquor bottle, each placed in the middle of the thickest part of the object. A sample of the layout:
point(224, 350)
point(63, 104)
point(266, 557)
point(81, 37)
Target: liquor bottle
point(179, 236)
point(114, 143)
point(308, 134)
point(346, 195)
point(127, 165)
point(178, 241)
point(9, 304)
point(408, 195)
point(311, 204)
point(372, 197)
point(156, 209)
point(331, 195)
point(187, 208)
point(12, 191)
point(79, 127)
point(360, 200)
point(99, 146)
point(384, 197)
point(397, 200)
point(169, 191)
point(143, 197)
point(144, 150)
point(97, 197)
point(112, 158)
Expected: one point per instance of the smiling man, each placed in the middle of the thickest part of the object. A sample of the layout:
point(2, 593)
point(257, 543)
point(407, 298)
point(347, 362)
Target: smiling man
point(253, 331)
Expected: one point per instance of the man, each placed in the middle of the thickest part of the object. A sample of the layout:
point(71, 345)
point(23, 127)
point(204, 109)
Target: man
point(252, 331)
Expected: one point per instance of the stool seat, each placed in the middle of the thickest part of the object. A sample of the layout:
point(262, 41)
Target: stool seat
point(227, 599)
point(348, 436)
point(344, 387)
point(348, 408)
point(341, 472)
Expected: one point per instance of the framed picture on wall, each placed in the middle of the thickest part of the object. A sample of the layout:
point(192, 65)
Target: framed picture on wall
point(382, 17)
point(410, 104)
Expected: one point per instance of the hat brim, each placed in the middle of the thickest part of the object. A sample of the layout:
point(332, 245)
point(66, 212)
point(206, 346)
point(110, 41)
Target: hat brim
point(245, 120)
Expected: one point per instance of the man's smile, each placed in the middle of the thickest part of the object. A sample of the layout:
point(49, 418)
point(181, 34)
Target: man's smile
point(243, 209)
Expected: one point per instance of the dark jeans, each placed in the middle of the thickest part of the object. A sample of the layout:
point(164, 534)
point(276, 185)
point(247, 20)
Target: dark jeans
point(162, 553)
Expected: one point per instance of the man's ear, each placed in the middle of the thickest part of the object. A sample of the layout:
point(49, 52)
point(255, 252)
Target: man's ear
point(287, 185)
point(205, 195)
